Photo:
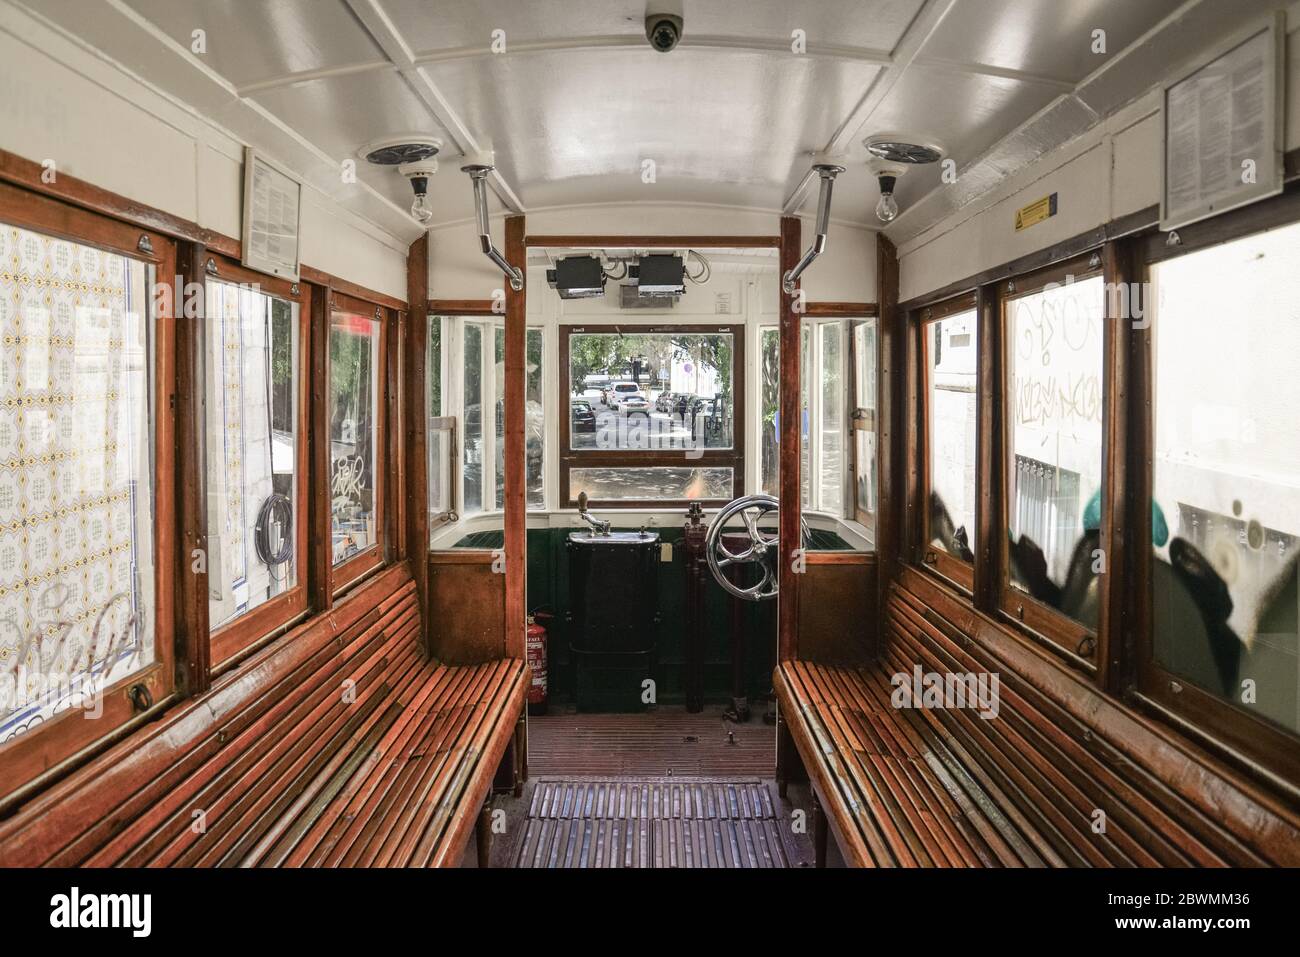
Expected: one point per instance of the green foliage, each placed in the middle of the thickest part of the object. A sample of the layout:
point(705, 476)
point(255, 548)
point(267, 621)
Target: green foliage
point(612, 354)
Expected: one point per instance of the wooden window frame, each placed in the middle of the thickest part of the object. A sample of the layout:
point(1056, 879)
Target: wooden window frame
point(351, 571)
point(814, 322)
point(936, 560)
point(230, 640)
point(1212, 720)
point(733, 458)
point(1015, 607)
point(862, 419)
point(65, 735)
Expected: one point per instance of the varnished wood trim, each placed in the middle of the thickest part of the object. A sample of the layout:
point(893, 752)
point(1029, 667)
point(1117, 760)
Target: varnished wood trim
point(463, 307)
point(235, 636)
point(1258, 217)
point(318, 562)
point(347, 288)
point(415, 416)
point(841, 558)
point(991, 415)
point(462, 556)
point(516, 479)
point(350, 573)
point(61, 741)
point(1116, 612)
point(1144, 220)
point(890, 427)
point(791, 498)
point(840, 310)
point(930, 557)
point(26, 173)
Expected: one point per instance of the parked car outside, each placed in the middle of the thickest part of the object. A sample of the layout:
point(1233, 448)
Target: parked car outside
point(622, 393)
point(582, 416)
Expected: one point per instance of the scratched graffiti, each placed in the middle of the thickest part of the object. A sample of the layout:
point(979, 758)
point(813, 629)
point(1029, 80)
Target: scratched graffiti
point(1049, 400)
point(62, 660)
point(347, 482)
point(1058, 336)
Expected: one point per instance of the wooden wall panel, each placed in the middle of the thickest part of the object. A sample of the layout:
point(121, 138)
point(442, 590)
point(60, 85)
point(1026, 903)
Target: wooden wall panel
point(838, 623)
point(467, 624)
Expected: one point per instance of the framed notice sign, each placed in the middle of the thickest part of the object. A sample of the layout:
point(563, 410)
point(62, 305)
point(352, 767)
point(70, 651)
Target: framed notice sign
point(272, 217)
point(1223, 125)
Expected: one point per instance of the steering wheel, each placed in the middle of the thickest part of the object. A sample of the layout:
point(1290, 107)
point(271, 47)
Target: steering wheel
point(762, 550)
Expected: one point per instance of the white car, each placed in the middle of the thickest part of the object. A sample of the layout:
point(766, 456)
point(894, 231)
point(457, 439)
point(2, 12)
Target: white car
point(627, 396)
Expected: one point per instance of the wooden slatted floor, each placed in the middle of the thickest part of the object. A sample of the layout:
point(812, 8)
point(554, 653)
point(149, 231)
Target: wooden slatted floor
point(640, 823)
point(667, 740)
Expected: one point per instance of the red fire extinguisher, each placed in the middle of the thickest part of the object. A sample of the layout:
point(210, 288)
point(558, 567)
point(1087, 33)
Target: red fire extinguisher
point(537, 664)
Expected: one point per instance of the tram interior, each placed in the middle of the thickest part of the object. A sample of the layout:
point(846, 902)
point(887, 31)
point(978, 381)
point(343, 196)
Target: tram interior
point(668, 434)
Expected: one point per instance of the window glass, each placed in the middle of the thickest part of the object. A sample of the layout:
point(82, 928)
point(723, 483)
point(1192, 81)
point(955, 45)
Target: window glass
point(473, 419)
point(651, 483)
point(951, 368)
point(805, 436)
point(534, 428)
point(769, 440)
point(77, 587)
point(654, 390)
point(1226, 515)
point(252, 448)
point(864, 382)
point(439, 440)
point(1055, 362)
point(830, 431)
point(354, 432)
point(433, 364)
point(497, 424)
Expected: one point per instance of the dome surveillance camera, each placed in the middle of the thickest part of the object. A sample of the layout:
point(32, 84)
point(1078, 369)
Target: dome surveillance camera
point(663, 30)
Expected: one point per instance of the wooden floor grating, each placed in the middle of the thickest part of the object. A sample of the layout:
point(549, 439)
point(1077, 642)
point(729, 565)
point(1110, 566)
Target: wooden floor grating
point(653, 823)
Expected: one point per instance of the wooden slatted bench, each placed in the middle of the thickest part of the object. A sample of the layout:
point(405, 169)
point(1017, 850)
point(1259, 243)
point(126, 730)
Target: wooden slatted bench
point(1063, 776)
point(340, 744)
point(899, 795)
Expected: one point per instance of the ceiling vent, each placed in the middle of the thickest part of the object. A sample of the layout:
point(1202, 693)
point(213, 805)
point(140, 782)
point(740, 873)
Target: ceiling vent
point(398, 150)
point(895, 151)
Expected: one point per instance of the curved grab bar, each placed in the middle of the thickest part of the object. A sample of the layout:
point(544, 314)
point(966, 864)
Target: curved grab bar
point(478, 175)
point(827, 172)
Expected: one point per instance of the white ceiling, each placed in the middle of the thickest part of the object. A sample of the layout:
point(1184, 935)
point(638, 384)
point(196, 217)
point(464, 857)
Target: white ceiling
point(578, 101)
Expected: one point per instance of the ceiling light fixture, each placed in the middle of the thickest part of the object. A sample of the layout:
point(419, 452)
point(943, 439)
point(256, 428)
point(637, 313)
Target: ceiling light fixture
point(891, 157)
point(418, 173)
point(415, 157)
point(887, 207)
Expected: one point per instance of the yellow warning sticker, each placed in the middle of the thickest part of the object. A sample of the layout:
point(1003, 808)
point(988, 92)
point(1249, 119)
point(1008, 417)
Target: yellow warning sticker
point(1035, 212)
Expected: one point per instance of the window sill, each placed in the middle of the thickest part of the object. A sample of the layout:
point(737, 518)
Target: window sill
point(356, 569)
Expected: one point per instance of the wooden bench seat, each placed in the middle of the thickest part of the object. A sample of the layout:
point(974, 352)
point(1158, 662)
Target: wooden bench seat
point(899, 794)
point(1062, 776)
point(340, 744)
